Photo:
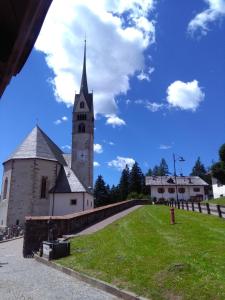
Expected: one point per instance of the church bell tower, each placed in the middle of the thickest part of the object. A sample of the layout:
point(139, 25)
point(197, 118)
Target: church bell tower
point(83, 132)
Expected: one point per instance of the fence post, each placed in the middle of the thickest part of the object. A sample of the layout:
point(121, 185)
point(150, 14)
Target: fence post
point(199, 207)
point(219, 211)
point(178, 204)
point(192, 206)
point(187, 205)
point(208, 208)
point(182, 204)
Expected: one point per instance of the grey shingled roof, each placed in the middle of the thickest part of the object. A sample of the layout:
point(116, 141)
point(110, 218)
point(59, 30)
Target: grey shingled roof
point(68, 182)
point(38, 145)
point(170, 180)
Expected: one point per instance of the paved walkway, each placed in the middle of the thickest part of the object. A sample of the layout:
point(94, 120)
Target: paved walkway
point(106, 222)
point(26, 279)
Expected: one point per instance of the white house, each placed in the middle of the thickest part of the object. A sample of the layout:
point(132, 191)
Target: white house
point(176, 188)
point(218, 188)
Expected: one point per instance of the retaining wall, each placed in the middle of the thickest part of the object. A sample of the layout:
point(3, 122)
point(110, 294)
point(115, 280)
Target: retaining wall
point(37, 228)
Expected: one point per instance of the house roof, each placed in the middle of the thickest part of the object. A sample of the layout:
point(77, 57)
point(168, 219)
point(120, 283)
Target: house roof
point(170, 180)
point(38, 145)
point(67, 182)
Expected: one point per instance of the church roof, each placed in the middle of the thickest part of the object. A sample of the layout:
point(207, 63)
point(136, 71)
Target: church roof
point(68, 182)
point(38, 145)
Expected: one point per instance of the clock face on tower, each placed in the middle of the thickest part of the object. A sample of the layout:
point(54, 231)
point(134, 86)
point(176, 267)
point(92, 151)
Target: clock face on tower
point(82, 155)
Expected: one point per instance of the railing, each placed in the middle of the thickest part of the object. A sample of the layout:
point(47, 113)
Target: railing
point(206, 208)
point(11, 232)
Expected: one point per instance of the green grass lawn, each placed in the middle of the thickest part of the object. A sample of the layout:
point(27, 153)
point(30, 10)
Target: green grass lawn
point(143, 253)
point(220, 201)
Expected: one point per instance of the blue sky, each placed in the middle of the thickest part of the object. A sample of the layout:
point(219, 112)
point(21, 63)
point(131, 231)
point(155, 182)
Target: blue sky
point(157, 70)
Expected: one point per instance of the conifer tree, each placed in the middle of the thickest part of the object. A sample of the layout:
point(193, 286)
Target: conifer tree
point(198, 169)
point(163, 169)
point(149, 173)
point(136, 179)
point(115, 194)
point(124, 183)
point(218, 169)
point(101, 192)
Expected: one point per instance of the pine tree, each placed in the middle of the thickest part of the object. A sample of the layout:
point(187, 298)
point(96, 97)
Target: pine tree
point(149, 173)
point(200, 170)
point(124, 183)
point(115, 194)
point(163, 168)
point(101, 192)
point(136, 179)
point(218, 169)
point(155, 171)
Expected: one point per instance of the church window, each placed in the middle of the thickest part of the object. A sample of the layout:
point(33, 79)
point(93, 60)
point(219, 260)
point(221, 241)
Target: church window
point(5, 188)
point(82, 104)
point(43, 187)
point(161, 190)
point(81, 128)
point(17, 222)
point(81, 117)
point(73, 202)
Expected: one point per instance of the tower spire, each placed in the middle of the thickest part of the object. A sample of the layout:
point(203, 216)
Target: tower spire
point(84, 85)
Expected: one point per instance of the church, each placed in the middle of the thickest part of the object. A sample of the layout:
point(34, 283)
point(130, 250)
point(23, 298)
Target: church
point(39, 179)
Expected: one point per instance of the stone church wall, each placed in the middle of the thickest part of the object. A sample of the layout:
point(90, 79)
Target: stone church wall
point(25, 188)
point(4, 200)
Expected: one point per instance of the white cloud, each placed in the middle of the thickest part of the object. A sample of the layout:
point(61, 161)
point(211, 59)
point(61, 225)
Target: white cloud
point(62, 119)
point(111, 144)
point(186, 96)
point(128, 101)
point(66, 147)
point(114, 121)
point(153, 106)
point(114, 46)
point(215, 10)
point(98, 148)
point(120, 162)
point(164, 147)
point(145, 76)
point(57, 122)
point(96, 164)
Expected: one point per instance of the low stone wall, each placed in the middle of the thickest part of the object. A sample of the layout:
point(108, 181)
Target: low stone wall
point(37, 228)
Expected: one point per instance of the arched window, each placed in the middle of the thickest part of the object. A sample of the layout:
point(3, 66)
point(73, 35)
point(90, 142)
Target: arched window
point(5, 188)
point(43, 187)
point(81, 117)
point(81, 128)
point(82, 104)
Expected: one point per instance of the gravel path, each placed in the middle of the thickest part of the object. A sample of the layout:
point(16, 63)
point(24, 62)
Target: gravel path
point(26, 279)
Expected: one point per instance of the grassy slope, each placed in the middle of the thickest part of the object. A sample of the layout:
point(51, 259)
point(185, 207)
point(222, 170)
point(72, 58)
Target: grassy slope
point(220, 201)
point(144, 254)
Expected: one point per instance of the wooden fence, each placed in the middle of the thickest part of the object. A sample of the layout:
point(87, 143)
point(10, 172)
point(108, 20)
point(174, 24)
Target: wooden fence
point(210, 209)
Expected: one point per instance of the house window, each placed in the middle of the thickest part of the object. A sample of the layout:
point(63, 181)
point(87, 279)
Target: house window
point(87, 203)
point(196, 189)
point(73, 202)
point(81, 128)
point(171, 190)
point(5, 188)
point(181, 190)
point(161, 190)
point(17, 222)
point(82, 104)
point(81, 117)
point(43, 187)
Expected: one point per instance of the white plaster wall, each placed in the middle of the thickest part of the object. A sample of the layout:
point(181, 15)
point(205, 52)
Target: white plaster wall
point(62, 204)
point(189, 192)
point(218, 189)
